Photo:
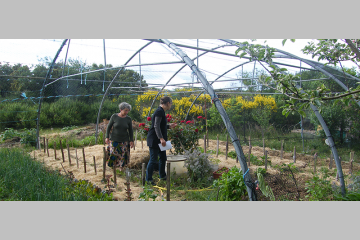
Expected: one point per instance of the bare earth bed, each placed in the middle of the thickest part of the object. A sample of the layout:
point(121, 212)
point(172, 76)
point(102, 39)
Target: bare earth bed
point(137, 156)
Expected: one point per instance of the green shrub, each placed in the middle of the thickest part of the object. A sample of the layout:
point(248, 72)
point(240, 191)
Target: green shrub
point(198, 165)
point(231, 185)
point(319, 187)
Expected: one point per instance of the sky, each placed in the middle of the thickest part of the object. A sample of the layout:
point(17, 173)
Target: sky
point(30, 51)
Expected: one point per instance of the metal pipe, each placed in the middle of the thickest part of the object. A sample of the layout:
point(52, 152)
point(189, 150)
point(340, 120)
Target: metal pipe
point(247, 178)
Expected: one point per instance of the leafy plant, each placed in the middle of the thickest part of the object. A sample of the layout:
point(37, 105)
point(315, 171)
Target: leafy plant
point(265, 189)
point(147, 193)
point(319, 187)
point(198, 165)
point(232, 154)
point(231, 185)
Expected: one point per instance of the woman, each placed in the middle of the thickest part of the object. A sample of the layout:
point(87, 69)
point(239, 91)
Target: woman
point(122, 138)
point(158, 134)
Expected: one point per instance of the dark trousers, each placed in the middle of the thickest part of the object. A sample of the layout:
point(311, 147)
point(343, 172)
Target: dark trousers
point(154, 156)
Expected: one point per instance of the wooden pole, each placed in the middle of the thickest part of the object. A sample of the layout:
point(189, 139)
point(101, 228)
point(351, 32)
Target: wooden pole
point(62, 152)
point(115, 182)
point(217, 145)
point(331, 158)
point(351, 162)
point(95, 165)
point(47, 147)
point(39, 143)
point(227, 146)
point(207, 138)
point(83, 151)
point(68, 149)
point(294, 154)
point(103, 132)
point(55, 150)
point(237, 159)
point(104, 162)
point(315, 158)
point(142, 145)
point(77, 160)
point(282, 149)
point(44, 145)
point(135, 139)
point(168, 182)
point(204, 143)
point(143, 174)
point(266, 159)
point(264, 146)
point(250, 149)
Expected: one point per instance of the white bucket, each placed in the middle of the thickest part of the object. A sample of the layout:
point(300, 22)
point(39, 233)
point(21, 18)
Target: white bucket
point(177, 164)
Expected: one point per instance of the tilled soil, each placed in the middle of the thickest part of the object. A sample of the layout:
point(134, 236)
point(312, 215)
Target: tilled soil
point(141, 154)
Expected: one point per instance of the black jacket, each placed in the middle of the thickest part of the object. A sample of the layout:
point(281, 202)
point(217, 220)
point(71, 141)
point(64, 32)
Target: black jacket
point(152, 139)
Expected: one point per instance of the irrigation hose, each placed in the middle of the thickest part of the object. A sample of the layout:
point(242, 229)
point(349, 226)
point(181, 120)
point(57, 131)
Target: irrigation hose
point(198, 190)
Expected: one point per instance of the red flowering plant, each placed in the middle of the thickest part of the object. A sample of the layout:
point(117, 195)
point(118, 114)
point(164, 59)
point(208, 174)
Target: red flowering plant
point(185, 135)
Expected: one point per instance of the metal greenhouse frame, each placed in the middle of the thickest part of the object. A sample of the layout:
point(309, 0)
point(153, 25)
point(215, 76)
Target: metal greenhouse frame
point(182, 58)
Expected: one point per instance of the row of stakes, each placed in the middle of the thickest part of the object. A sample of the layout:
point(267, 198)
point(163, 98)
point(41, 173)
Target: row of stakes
point(206, 144)
point(105, 177)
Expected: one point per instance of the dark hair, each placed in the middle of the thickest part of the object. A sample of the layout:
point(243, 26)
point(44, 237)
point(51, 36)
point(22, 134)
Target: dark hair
point(165, 100)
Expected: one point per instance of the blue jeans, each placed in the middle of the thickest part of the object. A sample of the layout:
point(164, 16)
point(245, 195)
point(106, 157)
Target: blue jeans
point(154, 153)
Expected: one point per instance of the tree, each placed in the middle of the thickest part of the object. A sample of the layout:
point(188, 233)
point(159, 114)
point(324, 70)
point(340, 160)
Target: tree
point(328, 49)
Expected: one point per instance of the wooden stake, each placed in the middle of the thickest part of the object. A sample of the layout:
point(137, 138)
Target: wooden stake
point(104, 162)
point(39, 143)
point(315, 158)
point(351, 162)
point(331, 158)
point(44, 145)
point(103, 132)
point(168, 182)
point(55, 150)
point(68, 149)
point(227, 146)
point(83, 151)
point(95, 165)
point(294, 154)
point(264, 145)
point(217, 145)
point(237, 159)
point(266, 159)
point(142, 146)
point(62, 152)
point(114, 166)
point(282, 149)
point(135, 139)
point(47, 147)
point(204, 143)
point(207, 138)
point(250, 154)
point(143, 174)
point(77, 160)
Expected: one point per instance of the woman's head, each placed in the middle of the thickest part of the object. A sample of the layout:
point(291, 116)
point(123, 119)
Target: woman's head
point(166, 102)
point(124, 108)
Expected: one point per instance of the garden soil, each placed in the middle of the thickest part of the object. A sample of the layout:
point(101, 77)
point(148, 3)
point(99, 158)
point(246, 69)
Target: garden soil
point(141, 154)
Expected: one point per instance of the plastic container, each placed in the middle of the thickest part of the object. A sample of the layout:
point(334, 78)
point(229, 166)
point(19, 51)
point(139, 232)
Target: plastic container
point(176, 164)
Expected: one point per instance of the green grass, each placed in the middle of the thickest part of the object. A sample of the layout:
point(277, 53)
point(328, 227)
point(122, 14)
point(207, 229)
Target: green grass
point(24, 179)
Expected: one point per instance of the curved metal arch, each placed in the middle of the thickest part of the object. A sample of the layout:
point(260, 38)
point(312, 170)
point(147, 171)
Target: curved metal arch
point(107, 89)
point(42, 91)
point(322, 122)
point(247, 178)
point(212, 83)
point(152, 104)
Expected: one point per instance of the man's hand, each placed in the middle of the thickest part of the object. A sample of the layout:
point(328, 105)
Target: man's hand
point(163, 142)
point(107, 140)
point(132, 145)
point(172, 125)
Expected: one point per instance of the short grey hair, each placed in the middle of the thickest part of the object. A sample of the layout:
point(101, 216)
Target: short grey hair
point(124, 105)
